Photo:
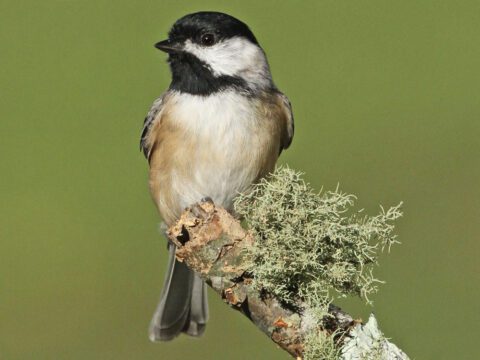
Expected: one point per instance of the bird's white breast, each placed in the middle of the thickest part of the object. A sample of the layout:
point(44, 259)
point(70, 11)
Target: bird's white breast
point(225, 142)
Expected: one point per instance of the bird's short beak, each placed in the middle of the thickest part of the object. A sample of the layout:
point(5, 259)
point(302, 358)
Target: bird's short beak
point(168, 46)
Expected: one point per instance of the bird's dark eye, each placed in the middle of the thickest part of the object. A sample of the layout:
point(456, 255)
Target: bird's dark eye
point(207, 39)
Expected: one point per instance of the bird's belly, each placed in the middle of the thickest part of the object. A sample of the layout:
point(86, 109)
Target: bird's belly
point(201, 169)
point(216, 173)
point(210, 148)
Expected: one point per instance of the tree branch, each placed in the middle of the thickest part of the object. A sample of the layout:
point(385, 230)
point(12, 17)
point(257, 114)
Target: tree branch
point(213, 244)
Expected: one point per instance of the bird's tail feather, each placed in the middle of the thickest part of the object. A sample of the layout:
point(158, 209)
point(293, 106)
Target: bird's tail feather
point(183, 303)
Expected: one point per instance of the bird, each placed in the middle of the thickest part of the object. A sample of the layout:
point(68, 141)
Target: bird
point(215, 132)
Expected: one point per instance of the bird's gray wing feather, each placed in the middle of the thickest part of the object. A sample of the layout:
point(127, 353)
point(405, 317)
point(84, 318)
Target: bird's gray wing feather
point(150, 119)
point(290, 121)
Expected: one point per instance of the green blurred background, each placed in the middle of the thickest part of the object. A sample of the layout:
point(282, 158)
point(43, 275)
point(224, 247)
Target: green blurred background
point(386, 97)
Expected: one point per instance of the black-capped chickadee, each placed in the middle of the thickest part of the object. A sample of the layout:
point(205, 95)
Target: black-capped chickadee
point(218, 129)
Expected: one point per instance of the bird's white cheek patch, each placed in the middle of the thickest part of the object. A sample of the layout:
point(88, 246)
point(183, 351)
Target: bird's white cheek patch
point(230, 57)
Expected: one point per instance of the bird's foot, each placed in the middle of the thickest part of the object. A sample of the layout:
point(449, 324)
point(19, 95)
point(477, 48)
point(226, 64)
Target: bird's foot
point(206, 199)
point(203, 207)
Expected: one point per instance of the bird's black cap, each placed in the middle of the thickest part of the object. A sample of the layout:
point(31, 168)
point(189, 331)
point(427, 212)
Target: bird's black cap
point(224, 26)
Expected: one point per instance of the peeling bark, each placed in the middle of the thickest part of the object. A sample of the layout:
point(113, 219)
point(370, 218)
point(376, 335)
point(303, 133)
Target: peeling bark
point(213, 243)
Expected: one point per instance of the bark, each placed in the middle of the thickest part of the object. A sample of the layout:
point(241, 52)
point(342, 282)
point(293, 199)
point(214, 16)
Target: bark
point(214, 244)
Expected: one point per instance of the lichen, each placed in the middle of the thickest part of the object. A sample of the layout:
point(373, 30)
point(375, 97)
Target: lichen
point(313, 246)
point(319, 345)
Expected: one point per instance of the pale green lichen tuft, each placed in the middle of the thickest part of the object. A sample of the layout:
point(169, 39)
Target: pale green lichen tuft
point(319, 345)
point(312, 247)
